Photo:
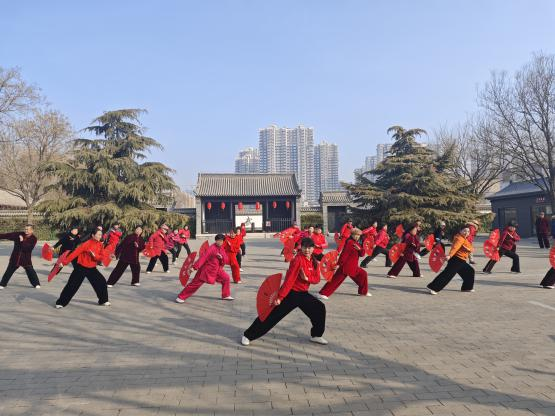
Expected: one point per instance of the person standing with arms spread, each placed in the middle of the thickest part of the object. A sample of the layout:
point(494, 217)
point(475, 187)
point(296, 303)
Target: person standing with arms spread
point(380, 247)
point(348, 266)
point(542, 230)
point(303, 271)
point(23, 245)
point(128, 254)
point(320, 243)
point(345, 233)
point(410, 255)
point(158, 243)
point(507, 247)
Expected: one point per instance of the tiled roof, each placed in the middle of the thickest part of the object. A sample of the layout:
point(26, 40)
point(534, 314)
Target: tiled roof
point(516, 189)
point(8, 200)
point(248, 184)
point(335, 197)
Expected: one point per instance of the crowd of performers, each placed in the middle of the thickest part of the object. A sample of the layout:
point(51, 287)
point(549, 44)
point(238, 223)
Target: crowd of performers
point(303, 249)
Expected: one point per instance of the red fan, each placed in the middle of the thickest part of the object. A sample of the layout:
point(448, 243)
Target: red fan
point(185, 271)
point(368, 245)
point(396, 251)
point(203, 249)
point(289, 250)
point(328, 264)
point(490, 250)
point(106, 257)
point(277, 235)
point(149, 250)
point(58, 266)
point(494, 236)
point(285, 236)
point(437, 258)
point(399, 231)
point(429, 242)
point(552, 256)
point(266, 296)
point(47, 252)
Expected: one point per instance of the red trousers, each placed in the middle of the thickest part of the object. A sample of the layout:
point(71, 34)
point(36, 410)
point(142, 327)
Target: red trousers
point(360, 278)
point(196, 283)
point(235, 272)
point(399, 264)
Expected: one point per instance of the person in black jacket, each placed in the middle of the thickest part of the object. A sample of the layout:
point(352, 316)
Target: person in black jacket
point(24, 243)
point(69, 242)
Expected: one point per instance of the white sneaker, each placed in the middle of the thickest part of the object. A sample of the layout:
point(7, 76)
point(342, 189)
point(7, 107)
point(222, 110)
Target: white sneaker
point(241, 270)
point(245, 341)
point(135, 284)
point(2, 287)
point(433, 292)
point(367, 294)
point(59, 306)
point(179, 300)
point(321, 297)
point(545, 287)
point(167, 271)
point(148, 272)
point(106, 304)
point(373, 260)
point(37, 287)
point(319, 340)
point(110, 285)
point(469, 291)
point(391, 276)
point(228, 298)
point(239, 282)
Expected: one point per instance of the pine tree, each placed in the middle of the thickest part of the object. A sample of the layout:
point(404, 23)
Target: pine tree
point(412, 184)
point(104, 181)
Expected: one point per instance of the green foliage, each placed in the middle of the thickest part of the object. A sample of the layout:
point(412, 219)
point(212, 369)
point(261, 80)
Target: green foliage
point(42, 229)
point(104, 181)
point(312, 218)
point(412, 184)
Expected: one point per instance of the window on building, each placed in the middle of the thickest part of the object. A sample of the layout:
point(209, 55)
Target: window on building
point(506, 215)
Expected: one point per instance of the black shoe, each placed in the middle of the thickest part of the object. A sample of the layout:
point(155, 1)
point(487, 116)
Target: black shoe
point(486, 272)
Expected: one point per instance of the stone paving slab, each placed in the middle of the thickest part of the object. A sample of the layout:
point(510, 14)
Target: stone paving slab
point(400, 352)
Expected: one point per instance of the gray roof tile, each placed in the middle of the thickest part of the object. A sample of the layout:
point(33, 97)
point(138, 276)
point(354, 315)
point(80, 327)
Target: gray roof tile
point(248, 184)
point(335, 197)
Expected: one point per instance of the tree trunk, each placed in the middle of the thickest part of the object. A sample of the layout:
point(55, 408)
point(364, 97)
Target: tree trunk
point(30, 214)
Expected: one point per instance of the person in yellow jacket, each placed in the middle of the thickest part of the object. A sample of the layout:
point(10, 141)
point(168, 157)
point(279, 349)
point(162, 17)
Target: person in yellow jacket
point(458, 263)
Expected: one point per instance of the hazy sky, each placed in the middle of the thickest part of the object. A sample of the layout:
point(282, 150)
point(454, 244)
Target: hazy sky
point(211, 73)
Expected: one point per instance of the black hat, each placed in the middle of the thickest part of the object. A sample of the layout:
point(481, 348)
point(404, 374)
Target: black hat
point(513, 223)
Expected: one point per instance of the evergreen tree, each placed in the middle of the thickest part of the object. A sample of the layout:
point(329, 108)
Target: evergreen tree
point(412, 184)
point(105, 181)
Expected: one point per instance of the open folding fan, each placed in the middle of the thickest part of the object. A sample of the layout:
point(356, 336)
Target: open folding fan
point(185, 271)
point(47, 252)
point(396, 251)
point(328, 263)
point(266, 296)
point(437, 258)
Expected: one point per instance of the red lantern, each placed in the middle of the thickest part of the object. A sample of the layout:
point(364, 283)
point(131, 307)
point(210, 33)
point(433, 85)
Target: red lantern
point(274, 205)
point(209, 205)
point(222, 205)
point(287, 204)
point(240, 206)
point(257, 206)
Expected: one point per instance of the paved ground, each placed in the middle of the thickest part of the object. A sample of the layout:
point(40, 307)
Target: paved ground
point(400, 352)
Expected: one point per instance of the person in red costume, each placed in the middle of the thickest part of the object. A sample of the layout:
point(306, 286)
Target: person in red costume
point(380, 247)
point(239, 236)
point(232, 246)
point(158, 243)
point(184, 236)
point(410, 255)
point(348, 266)
point(23, 245)
point(210, 269)
point(128, 254)
point(303, 271)
point(88, 255)
point(507, 247)
point(345, 233)
point(113, 235)
point(320, 243)
point(371, 231)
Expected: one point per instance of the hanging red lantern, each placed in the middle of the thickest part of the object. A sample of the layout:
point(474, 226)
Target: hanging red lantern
point(209, 205)
point(222, 205)
point(287, 204)
point(257, 206)
point(240, 206)
point(274, 205)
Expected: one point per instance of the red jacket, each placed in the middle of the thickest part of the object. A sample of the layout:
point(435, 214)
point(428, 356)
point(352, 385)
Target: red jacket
point(508, 240)
point(88, 254)
point(232, 245)
point(413, 246)
point(294, 281)
point(129, 249)
point(348, 259)
point(22, 250)
point(370, 231)
point(346, 231)
point(382, 239)
point(320, 243)
point(158, 242)
point(243, 230)
point(209, 266)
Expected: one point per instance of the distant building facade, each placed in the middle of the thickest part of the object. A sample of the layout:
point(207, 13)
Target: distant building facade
point(326, 167)
point(247, 161)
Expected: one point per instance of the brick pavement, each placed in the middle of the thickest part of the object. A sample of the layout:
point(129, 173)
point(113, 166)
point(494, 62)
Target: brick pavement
point(401, 352)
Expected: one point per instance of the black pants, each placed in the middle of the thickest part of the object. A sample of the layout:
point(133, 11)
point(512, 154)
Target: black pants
point(239, 257)
point(543, 240)
point(31, 275)
point(243, 249)
point(120, 268)
point(177, 248)
point(377, 250)
point(502, 252)
point(454, 266)
point(549, 279)
point(174, 253)
point(75, 280)
point(311, 307)
point(163, 259)
point(186, 245)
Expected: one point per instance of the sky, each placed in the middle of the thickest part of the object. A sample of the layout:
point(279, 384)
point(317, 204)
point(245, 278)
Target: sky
point(211, 73)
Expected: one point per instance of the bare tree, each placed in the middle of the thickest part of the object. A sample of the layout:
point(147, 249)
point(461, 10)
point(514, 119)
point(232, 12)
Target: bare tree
point(16, 96)
point(476, 157)
point(29, 146)
point(523, 110)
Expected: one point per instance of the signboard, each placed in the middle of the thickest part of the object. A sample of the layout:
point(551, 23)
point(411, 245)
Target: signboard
point(249, 221)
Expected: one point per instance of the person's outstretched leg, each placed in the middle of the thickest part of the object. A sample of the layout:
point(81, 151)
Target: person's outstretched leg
point(191, 288)
point(151, 263)
point(466, 272)
point(361, 279)
point(549, 279)
point(72, 286)
point(397, 267)
point(316, 312)
point(330, 287)
point(135, 273)
point(415, 267)
point(117, 272)
point(259, 328)
point(224, 279)
point(164, 260)
point(10, 270)
point(99, 285)
point(32, 276)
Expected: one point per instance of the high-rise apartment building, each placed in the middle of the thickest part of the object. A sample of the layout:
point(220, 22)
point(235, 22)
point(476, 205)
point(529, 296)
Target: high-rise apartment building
point(326, 167)
point(247, 161)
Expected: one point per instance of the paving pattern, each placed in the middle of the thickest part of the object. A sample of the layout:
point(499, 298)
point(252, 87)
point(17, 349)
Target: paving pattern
point(400, 352)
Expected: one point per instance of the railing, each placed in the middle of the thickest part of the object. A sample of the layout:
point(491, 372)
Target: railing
point(216, 226)
point(278, 224)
